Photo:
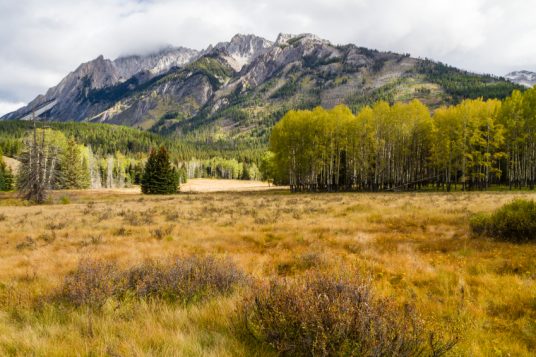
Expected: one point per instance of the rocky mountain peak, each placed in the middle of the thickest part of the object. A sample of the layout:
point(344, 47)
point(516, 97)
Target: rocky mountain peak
point(156, 62)
point(285, 39)
point(243, 49)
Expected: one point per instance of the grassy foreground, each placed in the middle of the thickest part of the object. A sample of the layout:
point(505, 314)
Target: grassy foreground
point(415, 248)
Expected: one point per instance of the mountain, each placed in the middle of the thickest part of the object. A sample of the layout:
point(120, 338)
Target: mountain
point(68, 100)
point(237, 90)
point(525, 78)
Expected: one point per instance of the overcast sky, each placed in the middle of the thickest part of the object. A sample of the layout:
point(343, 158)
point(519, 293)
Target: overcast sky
point(41, 41)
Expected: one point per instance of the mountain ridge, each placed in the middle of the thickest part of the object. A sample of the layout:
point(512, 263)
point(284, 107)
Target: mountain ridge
point(238, 89)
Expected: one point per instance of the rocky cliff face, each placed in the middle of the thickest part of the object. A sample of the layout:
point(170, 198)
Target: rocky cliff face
point(241, 50)
point(238, 89)
point(155, 63)
point(68, 100)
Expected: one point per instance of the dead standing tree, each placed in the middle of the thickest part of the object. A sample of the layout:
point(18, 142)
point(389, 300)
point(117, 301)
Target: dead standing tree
point(38, 167)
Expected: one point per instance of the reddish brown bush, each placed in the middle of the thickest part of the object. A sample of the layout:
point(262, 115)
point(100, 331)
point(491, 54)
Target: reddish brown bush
point(180, 279)
point(185, 280)
point(321, 316)
point(92, 283)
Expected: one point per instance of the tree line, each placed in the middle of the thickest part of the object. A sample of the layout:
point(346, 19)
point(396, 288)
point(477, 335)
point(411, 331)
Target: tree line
point(52, 161)
point(459, 84)
point(472, 145)
point(120, 151)
point(49, 160)
point(109, 139)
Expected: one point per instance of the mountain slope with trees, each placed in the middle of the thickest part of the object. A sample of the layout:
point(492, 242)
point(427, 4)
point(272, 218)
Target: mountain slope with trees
point(236, 91)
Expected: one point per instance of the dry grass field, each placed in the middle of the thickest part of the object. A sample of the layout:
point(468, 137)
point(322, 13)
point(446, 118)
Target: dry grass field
point(414, 248)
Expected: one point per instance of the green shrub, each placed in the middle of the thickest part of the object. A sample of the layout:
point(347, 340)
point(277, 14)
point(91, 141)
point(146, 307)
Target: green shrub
point(479, 223)
point(321, 316)
point(515, 221)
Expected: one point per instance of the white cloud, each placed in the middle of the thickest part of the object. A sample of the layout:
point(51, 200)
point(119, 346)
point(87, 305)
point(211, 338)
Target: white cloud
point(41, 41)
point(7, 107)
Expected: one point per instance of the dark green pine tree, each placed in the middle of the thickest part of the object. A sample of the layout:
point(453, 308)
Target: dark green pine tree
point(159, 177)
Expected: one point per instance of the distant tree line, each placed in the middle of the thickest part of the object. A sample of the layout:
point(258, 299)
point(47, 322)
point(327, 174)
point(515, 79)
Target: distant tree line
point(128, 148)
point(221, 168)
point(108, 139)
point(472, 145)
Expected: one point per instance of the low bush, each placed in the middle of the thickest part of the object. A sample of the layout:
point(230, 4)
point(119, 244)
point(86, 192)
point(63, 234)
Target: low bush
point(183, 280)
point(318, 315)
point(162, 232)
point(92, 283)
point(515, 221)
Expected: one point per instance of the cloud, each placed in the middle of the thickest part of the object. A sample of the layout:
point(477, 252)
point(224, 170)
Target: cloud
point(7, 107)
point(42, 41)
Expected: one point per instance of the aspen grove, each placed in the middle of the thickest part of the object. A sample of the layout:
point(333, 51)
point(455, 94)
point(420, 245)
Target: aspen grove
point(472, 145)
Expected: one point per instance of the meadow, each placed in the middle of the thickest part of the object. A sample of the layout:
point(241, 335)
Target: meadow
point(413, 248)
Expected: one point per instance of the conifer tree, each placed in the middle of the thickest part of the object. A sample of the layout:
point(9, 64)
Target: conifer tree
point(74, 168)
point(159, 177)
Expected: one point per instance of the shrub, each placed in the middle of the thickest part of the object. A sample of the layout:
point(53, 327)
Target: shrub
point(182, 280)
point(163, 232)
point(92, 283)
point(515, 221)
point(122, 231)
point(321, 316)
point(185, 280)
point(28, 243)
point(48, 237)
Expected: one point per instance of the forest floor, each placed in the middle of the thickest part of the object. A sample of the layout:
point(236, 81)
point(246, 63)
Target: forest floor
point(414, 247)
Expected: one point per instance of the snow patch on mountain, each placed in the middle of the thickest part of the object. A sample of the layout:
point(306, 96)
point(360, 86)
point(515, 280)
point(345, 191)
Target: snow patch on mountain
point(525, 78)
point(243, 49)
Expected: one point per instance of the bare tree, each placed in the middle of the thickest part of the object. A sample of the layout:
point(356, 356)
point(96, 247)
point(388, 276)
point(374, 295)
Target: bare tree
point(38, 167)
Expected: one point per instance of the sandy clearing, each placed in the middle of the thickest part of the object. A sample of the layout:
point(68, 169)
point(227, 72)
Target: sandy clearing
point(200, 186)
point(214, 185)
point(12, 163)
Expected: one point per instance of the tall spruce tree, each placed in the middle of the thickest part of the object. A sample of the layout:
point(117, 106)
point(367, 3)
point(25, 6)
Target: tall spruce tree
point(159, 177)
point(74, 170)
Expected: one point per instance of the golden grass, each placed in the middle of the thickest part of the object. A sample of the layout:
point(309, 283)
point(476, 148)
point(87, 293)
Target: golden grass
point(414, 246)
